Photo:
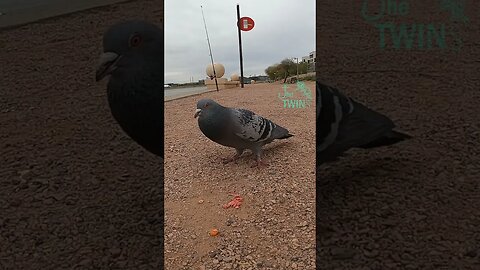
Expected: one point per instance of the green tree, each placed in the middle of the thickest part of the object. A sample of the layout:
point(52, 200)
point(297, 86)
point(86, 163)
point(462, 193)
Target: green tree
point(302, 68)
point(287, 67)
point(272, 72)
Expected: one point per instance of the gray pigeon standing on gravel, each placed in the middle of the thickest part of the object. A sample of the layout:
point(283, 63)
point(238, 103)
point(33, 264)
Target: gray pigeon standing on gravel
point(343, 123)
point(238, 128)
point(133, 57)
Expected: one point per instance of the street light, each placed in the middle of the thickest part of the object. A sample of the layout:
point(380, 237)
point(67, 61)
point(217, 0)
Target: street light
point(297, 66)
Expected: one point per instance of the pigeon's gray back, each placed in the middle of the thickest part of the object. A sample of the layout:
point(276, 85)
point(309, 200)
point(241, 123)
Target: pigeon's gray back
point(343, 123)
point(332, 108)
point(254, 128)
point(238, 128)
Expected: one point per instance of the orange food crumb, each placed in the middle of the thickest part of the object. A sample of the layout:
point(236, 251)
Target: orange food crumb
point(235, 202)
point(213, 232)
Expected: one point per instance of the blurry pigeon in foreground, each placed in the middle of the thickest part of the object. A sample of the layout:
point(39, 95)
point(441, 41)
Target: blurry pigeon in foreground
point(133, 57)
point(343, 123)
point(237, 128)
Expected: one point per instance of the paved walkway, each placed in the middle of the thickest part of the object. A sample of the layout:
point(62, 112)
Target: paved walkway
point(176, 93)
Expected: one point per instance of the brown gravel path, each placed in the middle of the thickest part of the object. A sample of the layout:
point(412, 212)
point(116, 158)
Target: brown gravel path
point(413, 205)
point(274, 227)
point(75, 191)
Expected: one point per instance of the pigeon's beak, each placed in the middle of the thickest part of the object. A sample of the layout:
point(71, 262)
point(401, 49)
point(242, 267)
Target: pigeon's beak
point(107, 64)
point(197, 112)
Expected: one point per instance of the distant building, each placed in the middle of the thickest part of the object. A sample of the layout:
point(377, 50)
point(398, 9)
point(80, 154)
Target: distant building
point(310, 59)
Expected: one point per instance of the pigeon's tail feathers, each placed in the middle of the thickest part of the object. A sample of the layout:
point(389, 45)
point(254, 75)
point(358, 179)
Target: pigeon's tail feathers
point(343, 123)
point(389, 138)
point(286, 136)
point(280, 133)
point(365, 127)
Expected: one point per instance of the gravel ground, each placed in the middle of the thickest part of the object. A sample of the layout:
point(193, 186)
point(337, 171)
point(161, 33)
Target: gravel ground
point(274, 228)
point(75, 191)
point(413, 205)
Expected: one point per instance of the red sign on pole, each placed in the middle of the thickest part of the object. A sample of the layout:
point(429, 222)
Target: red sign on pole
point(246, 24)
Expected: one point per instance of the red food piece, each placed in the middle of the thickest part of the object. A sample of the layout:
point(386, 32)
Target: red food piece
point(235, 202)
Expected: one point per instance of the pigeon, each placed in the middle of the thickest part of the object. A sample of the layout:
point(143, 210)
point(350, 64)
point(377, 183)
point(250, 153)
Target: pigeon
point(238, 128)
point(133, 57)
point(343, 123)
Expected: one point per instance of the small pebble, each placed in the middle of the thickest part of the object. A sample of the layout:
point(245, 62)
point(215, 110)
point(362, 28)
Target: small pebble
point(342, 253)
point(472, 253)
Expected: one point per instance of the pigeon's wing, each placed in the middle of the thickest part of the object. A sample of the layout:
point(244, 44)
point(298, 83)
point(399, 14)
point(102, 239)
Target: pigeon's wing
point(343, 123)
point(251, 127)
point(331, 109)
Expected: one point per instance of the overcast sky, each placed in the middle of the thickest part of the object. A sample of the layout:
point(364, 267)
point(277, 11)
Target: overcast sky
point(283, 29)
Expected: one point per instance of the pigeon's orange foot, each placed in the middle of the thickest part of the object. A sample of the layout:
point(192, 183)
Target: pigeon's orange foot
point(228, 160)
point(259, 164)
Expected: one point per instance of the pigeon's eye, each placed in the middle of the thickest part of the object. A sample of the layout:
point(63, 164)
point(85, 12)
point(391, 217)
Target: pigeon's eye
point(206, 105)
point(135, 40)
